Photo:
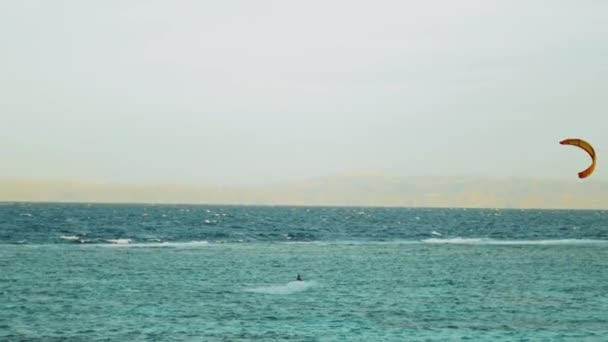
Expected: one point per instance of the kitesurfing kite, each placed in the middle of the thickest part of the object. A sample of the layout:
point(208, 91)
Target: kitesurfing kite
point(588, 148)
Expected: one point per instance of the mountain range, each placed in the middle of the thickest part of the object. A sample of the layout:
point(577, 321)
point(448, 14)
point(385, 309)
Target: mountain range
point(343, 190)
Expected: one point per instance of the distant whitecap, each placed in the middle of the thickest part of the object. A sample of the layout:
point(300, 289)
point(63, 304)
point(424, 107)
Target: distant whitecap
point(119, 241)
point(71, 238)
point(188, 244)
point(487, 241)
point(289, 288)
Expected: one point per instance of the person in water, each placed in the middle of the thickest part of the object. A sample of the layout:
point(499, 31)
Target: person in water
point(299, 278)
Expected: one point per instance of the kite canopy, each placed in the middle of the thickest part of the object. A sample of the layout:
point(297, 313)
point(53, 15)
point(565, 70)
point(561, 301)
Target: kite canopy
point(588, 148)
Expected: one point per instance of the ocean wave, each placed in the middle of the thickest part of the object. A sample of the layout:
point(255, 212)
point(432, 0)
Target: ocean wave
point(286, 289)
point(71, 238)
point(156, 243)
point(20, 242)
point(351, 242)
point(487, 241)
point(119, 241)
point(189, 244)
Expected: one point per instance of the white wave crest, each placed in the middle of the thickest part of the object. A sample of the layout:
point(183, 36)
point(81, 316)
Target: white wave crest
point(71, 238)
point(190, 244)
point(289, 288)
point(119, 241)
point(486, 241)
point(351, 242)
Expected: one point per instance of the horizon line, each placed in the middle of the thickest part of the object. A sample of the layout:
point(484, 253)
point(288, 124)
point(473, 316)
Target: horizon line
point(345, 206)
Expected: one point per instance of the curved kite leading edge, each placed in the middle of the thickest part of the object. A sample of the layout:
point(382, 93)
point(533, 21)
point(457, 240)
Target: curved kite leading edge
point(588, 148)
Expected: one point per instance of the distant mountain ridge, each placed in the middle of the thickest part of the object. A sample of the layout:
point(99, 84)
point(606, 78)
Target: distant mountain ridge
point(349, 190)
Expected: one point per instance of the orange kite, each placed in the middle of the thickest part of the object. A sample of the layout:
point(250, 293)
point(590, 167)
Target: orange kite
point(588, 148)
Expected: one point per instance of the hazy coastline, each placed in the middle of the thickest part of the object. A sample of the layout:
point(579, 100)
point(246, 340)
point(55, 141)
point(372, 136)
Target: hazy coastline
point(332, 191)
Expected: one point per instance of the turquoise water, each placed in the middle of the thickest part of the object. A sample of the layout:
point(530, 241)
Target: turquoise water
point(123, 273)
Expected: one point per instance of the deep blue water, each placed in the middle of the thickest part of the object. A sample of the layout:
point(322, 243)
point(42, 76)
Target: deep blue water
point(99, 223)
point(79, 272)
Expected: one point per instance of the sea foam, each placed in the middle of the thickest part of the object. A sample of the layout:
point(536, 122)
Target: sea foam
point(189, 244)
point(119, 241)
point(286, 289)
point(352, 242)
point(76, 239)
point(70, 238)
point(486, 241)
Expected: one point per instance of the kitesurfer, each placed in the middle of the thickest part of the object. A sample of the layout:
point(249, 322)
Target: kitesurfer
point(299, 278)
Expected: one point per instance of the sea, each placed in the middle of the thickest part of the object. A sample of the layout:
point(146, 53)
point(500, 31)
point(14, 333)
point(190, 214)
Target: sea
point(145, 272)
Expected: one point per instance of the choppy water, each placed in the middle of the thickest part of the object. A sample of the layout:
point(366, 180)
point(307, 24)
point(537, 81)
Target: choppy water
point(210, 273)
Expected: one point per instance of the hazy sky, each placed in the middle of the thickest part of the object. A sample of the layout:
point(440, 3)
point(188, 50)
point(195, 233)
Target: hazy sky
point(267, 91)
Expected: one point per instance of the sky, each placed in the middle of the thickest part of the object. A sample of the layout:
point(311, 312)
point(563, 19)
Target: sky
point(260, 92)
